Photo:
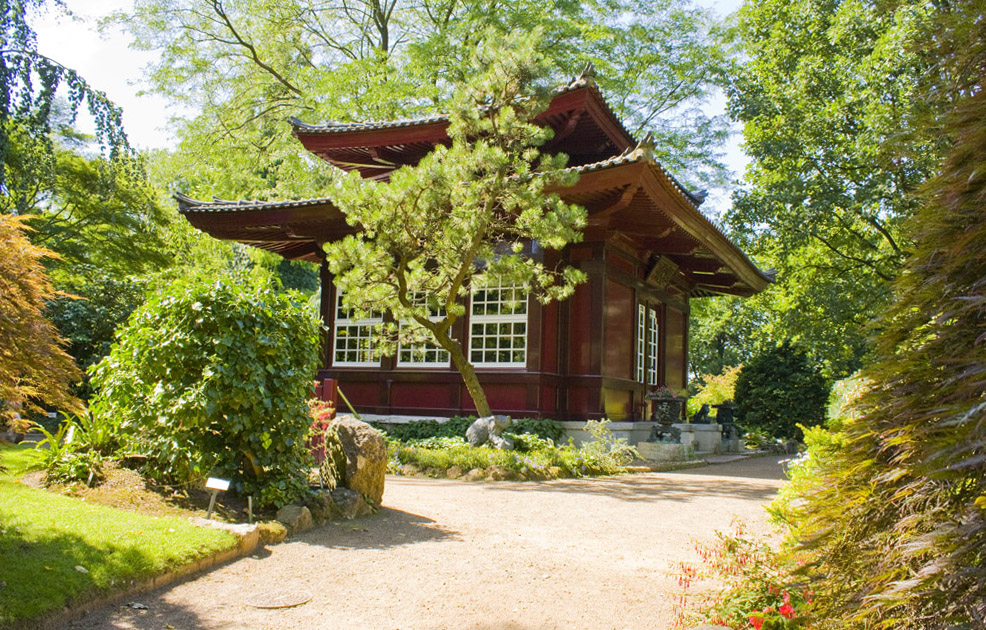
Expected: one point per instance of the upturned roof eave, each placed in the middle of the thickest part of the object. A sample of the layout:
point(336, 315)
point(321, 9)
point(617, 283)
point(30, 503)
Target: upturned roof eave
point(685, 214)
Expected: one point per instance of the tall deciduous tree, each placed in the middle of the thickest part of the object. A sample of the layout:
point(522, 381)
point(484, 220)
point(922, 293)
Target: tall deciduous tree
point(827, 96)
point(87, 209)
point(34, 367)
point(243, 67)
point(467, 215)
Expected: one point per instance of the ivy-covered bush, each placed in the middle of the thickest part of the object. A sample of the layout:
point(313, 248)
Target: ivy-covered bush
point(780, 389)
point(209, 378)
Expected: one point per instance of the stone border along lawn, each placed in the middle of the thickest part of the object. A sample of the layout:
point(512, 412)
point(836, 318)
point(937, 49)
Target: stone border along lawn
point(61, 552)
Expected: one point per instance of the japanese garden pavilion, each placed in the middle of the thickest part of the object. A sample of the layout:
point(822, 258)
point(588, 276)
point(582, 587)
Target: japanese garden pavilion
point(647, 250)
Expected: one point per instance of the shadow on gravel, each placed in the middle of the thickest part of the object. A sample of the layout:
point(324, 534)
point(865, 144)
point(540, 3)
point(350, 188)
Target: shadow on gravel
point(644, 488)
point(748, 480)
point(388, 528)
point(769, 467)
point(158, 614)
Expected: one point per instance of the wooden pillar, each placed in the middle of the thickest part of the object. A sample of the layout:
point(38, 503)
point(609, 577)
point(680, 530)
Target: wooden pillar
point(326, 310)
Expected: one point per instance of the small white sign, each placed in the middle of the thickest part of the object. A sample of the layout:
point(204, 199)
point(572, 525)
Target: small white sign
point(217, 484)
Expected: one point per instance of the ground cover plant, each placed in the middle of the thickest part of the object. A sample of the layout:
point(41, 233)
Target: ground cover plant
point(534, 457)
point(57, 549)
point(456, 427)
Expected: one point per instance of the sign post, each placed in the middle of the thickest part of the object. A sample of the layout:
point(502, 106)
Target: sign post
point(215, 486)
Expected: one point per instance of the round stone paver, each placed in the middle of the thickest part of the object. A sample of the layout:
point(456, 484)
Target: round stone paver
point(586, 553)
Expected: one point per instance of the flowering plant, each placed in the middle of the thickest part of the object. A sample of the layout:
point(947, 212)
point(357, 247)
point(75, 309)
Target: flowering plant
point(757, 587)
point(665, 392)
point(782, 617)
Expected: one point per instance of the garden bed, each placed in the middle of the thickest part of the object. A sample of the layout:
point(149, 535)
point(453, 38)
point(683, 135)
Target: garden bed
point(536, 456)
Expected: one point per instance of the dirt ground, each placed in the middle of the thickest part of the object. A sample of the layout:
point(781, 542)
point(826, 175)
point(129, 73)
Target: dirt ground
point(588, 553)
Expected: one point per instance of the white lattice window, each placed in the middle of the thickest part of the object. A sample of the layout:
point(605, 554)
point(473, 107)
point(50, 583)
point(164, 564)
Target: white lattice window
point(424, 353)
point(355, 340)
point(498, 327)
point(652, 345)
point(641, 341)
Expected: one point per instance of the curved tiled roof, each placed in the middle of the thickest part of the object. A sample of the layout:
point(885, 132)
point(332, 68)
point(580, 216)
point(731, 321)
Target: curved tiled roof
point(186, 204)
point(585, 80)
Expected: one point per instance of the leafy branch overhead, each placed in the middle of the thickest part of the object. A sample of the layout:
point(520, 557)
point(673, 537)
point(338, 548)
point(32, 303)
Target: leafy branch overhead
point(478, 213)
point(246, 66)
point(30, 82)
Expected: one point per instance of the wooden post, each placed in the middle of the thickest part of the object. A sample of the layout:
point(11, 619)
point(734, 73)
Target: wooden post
point(326, 310)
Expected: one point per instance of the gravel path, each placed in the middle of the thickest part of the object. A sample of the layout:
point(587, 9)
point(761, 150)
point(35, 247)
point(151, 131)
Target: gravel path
point(589, 553)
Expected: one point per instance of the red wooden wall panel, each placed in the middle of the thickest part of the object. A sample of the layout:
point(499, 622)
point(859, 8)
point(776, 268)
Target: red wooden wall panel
point(619, 334)
point(580, 323)
point(501, 398)
point(435, 395)
point(677, 348)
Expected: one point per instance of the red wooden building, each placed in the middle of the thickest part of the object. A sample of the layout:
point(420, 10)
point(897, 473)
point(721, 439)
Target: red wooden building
point(647, 251)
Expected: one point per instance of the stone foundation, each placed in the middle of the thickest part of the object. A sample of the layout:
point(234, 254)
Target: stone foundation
point(660, 452)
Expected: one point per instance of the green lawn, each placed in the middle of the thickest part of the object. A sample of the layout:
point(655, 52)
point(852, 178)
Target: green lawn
point(45, 536)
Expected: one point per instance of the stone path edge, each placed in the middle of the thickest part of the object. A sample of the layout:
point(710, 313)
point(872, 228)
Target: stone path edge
point(53, 621)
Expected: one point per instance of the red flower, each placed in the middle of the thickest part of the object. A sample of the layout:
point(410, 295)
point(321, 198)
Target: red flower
point(756, 620)
point(786, 597)
point(787, 610)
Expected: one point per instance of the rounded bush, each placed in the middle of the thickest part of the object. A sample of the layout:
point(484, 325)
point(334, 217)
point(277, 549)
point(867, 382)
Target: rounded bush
point(209, 378)
point(780, 389)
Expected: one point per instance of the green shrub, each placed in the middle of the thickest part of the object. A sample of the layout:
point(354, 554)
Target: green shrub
point(421, 429)
point(525, 442)
point(780, 389)
point(66, 460)
point(604, 451)
point(89, 324)
point(70, 466)
point(544, 429)
point(212, 378)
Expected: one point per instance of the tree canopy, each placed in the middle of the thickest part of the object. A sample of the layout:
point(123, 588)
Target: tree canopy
point(894, 518)
point(30, 81)
point(827, 93)
point(244, 67)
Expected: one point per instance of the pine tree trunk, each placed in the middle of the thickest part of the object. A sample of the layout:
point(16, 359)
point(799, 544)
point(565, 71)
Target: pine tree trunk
point(468, 373)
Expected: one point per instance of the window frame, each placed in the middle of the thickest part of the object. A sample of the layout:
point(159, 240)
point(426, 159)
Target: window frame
point(499, 319)
point(423, 347)
point(641, 342)
point(369, 323)
point(653, 345)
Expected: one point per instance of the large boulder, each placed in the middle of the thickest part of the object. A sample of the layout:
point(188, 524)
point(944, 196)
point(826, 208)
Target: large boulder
point(366, 457)
point(490, 430)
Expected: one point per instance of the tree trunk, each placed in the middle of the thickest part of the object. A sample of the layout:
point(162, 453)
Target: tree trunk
point(467, 371)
